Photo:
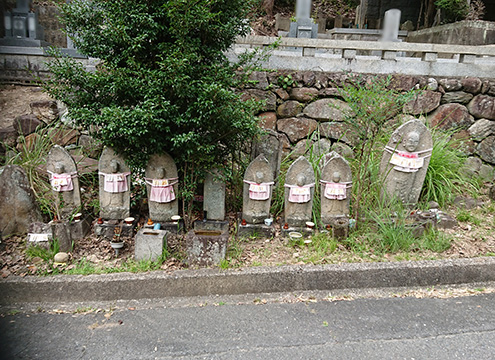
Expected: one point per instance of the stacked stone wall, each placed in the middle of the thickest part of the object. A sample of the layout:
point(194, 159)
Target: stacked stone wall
point(312, 110)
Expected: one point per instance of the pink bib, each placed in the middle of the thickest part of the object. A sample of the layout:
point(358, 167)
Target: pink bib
point(115, 183)
point(61, 182)
point(162, 191)
point(335, 191)
point(299, 194)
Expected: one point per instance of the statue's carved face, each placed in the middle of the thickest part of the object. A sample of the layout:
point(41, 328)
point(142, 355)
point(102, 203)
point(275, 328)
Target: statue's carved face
point(301, 180)
point(259, 176)
point(411, 141)
point(59, 168)
point(114, 166)
point(336, 177)
point(160, 173)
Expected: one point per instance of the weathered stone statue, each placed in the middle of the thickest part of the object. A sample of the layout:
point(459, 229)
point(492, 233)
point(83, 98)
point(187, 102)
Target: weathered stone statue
point(299, 190)
point(115, 178)
point(257, 195)
point(162, 185)
point(64, 181)
point(336, 182)
point(405, 161)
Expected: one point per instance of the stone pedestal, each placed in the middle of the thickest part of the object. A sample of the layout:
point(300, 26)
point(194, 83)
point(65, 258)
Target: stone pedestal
point(79, 229)
point(206, 247)
point(149, 244)
point(304, 230)
point(172, 227)
point(61, 232)
point(211, 225)
point(107, 229)
point(255, 230)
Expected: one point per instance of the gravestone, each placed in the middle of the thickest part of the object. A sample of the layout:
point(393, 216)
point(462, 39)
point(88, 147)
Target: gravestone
point(336, 182)
point(162, 185)
point(391, 24)
point(303, 27)
point(214, 196)
point(18, 208)
point(270, 146)
point(22, 27)
point(257, 194)
point(64, 181)
point(115, 183)
point(299, 191)
point(405, 161)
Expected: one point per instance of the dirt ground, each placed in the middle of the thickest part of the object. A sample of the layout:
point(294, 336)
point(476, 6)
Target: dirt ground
point(15, 100)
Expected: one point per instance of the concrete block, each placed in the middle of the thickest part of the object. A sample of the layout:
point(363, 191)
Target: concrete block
point(149, 244)
point(349, 53)
point(389, 55)
point(211, 225)
point(206, 247)
point(467, 59)
point(432, 57)
point(255, 230)
point(80, 228)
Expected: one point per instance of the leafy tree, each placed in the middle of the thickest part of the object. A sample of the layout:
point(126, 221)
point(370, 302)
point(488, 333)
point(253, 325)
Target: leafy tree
point(163, 83)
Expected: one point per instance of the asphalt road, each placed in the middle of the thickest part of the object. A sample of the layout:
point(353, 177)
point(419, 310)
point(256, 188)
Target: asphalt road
point(387, 328)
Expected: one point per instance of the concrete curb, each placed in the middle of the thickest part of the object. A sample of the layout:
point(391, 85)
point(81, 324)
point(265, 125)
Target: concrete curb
point(126, 286)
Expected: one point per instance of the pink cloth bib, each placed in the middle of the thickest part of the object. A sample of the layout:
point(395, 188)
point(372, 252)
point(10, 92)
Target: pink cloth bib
point(115, 183)
point(61, 182)
point(335, 191)
point(162, 190)
point(299, 194)
point(259, 191)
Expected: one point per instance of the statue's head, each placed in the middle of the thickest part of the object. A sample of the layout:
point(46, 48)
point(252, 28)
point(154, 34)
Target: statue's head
point(259, 176)
point(160, 173)
point(336, 177)
point(301, 180)
point(411, 141)
point(59, 168)
point(114, 166)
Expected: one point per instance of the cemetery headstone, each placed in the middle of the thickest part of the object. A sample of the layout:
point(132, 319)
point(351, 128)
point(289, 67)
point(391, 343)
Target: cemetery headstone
point(22, 27)
point(162, 185)
point(405, 161)
point(257, 194)
point(299, 191)
point(214, 196)
point(115, 183)
point(303, 27)
point(336, 182)
point(64, 181)
point(391, 25)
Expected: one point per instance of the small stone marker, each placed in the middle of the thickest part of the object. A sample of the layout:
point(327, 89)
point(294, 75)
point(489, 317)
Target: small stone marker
point(299, 190)
point(162, 184)
point(391, 25)
point(304, 27)
point(206, 247)
point(214, 196)
point(18, 208)
point(257, 195)
point(405, 161)
point(115, 183)
point(336, 182)
point(64, 181)
point(149, 244)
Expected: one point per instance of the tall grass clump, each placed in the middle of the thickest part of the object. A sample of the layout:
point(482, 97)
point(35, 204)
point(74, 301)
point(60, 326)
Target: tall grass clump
point(444, 180)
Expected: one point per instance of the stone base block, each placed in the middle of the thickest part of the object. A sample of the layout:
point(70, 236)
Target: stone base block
point(255, 230)
point(173, 227)
point(206, 247)
point(212, 225)
point(149, 244)
point(107, 229)
point(79, 229)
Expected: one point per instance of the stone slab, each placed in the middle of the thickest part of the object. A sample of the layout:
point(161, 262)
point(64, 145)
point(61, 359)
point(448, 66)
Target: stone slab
point(149, 244)
point(206, 247)
point(107, 229)
point(255, 230)
point(79, 229)
point(211, 225)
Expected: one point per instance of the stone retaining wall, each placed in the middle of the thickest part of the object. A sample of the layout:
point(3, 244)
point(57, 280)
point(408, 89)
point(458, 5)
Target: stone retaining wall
point(312, 106)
